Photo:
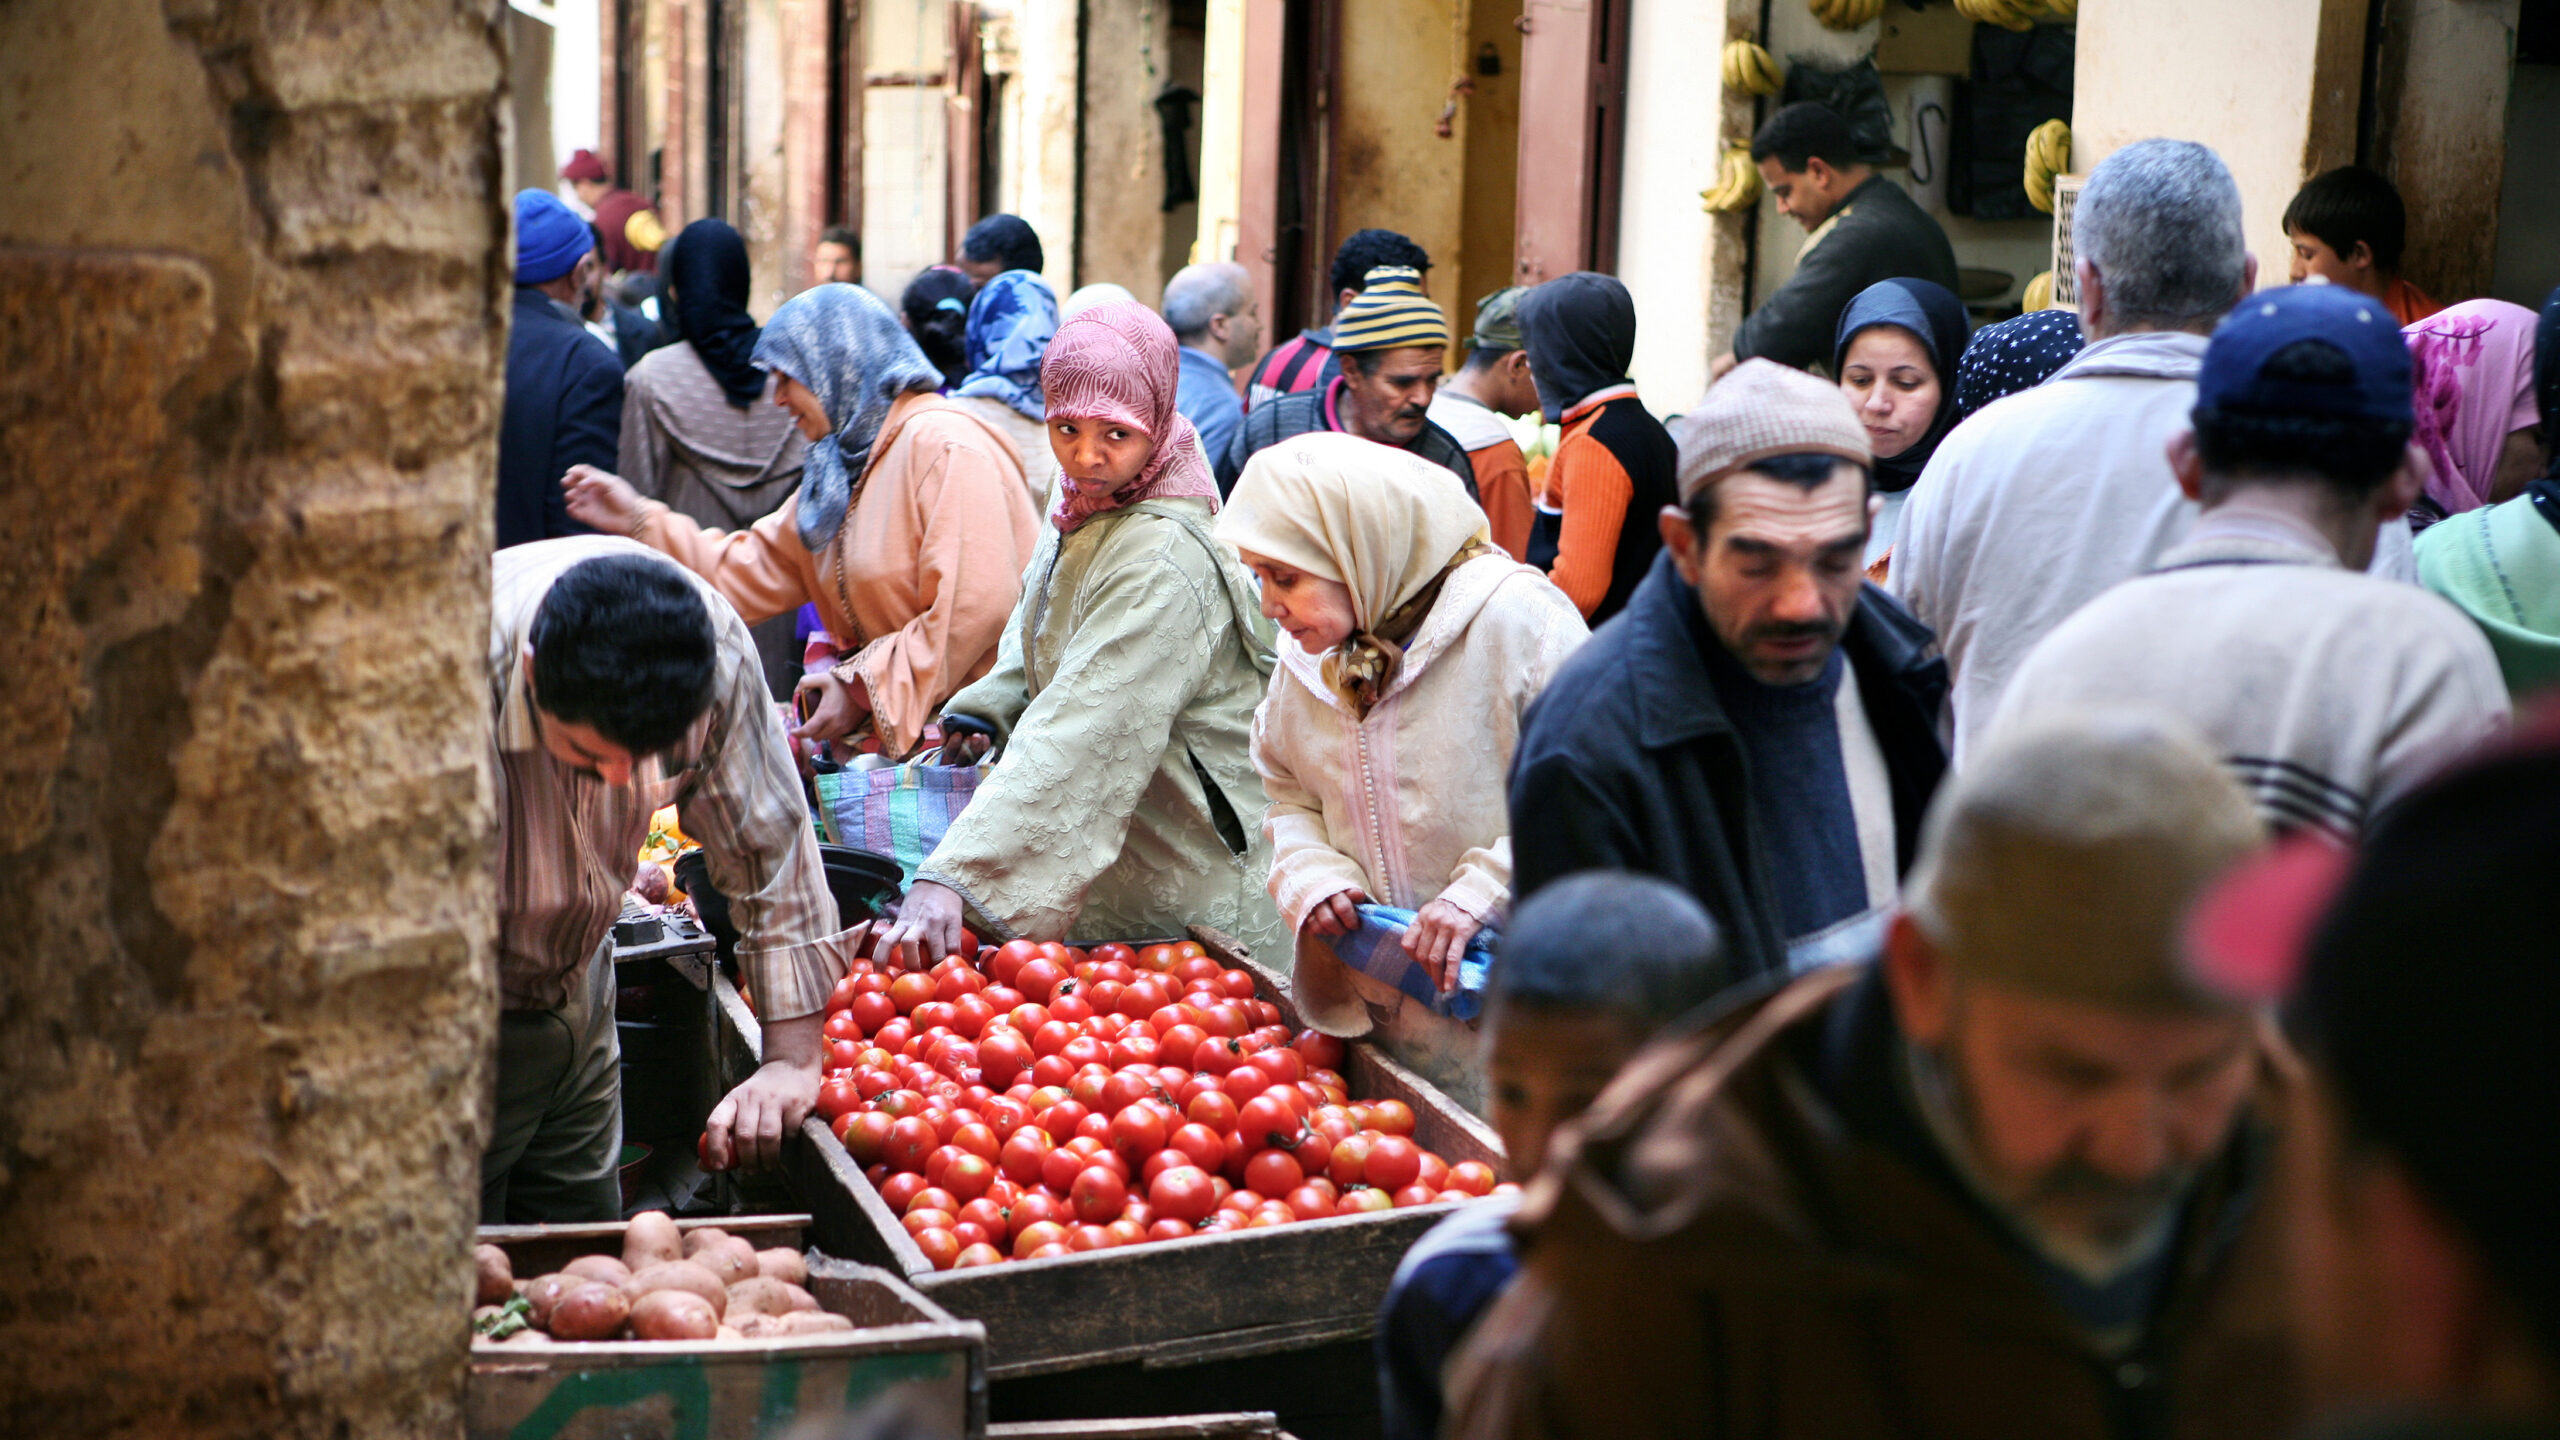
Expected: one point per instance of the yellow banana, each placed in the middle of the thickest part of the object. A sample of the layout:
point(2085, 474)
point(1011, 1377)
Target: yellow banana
point(2039, 295)
point(1737, 184)
point(2007, 14)
point(1845, 14)
point(1748, 70)
point(2062, 9)
point(2048, 155)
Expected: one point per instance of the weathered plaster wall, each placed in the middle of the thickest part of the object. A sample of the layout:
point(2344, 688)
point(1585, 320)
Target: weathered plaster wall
point(1040, 149)
point(1683, 264)
point(1490, 206)
point(1389, 168)
point(2441, 134)
point(253, 269)
point(1128, 60)
point(2271, 85)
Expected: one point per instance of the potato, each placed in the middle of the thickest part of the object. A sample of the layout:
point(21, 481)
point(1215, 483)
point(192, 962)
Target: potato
point(696, 1241)
point(674, 1315)
point(497, 1276)
point(732, 1260)
point(681, 1275)
point(805, 1322)
point(764, 1295)
point(603, 1269)
point(526, 1336)
point(783, 1264)
point(593, 1311)
point(546, 1293)
point(650, 1239)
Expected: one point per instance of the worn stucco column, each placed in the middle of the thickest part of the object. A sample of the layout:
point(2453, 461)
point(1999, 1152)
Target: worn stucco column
point(252, 284)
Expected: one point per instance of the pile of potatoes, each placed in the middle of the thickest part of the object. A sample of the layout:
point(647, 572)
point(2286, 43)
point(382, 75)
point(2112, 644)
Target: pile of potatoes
point(669, 1285)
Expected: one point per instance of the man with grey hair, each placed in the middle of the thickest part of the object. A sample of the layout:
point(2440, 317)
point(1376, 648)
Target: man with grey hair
point(2009, 1177)
point(2045, 498)
point(1211, 309)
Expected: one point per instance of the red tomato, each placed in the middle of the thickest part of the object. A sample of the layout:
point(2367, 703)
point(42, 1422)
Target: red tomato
point(1364, 1200)
point(1037, 980)
point(972, 1014)
point(841, 996)
point(1158, 958)
point(935, 1014)
point(985, 1212)
point(1097, 1196)
point(1242, 1202)
point(841, 1026)
point(926, 1217)
point(1085, 1050)
point(909, 991)
point(1004, 999)
point(871, 1011)
point(893, 1036)
point(1309, 1203)
point(1088, 1237)
point(1183, 1192)
point(1216, 1055)
point(1133, 1049)
point(1283, 1066)
point(1002, 1055)
point(838, 1097)
point(1435, 1172)
point(1096, 1126)
point(1143, 998)
point(911, 1139)
point(1246, 1081)
point(1415, 1194)
point(934, 1197)
point(1009, 959)
point(1273, 1172)
point(971, 1234)
point(1028, 1211)
point(973, 1256)
point(1392, 1116)
point(1052, 1070)
point(1236, 983)
point(1314, 1153)
point(1113, 952)
point(941, 1248)
point(1039, 1235)
point(898, 1189)
point(959, 980)
point(1125, 1232)
point(1168, 1230)
point(1473, 1176)
point(1059, 1169)
point(1194, 969)
point(1394, 1163)
point(977, 1138)
point(1350, 1161)
point(969, 1176)
point(1267, 1122)
point(1202, 1144)
point(1028, 1018)
point(865, 1134)
point(1071, 1007)
point(1226, 1017)
point(1213, 1108)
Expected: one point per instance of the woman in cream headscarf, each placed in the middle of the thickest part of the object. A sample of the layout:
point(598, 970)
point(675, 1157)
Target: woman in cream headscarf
point(1390, 722)
point(1123, 803)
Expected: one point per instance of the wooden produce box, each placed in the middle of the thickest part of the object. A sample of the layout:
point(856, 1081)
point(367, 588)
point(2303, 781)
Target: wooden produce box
point(909, 1352)
point(1166, 1303)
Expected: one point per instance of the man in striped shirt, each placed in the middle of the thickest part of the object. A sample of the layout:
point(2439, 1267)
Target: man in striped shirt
point(1308, 362)
point(620, 683)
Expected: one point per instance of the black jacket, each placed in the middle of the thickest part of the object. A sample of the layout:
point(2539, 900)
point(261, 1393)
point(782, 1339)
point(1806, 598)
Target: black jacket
point(564, 408)
point(1879, 233)
point(1627, 762)
point(1273, 421)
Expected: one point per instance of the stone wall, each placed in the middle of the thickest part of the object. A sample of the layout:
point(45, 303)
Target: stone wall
point(253, 278)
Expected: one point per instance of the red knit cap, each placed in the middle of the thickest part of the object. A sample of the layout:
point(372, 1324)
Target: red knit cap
point(583, 165)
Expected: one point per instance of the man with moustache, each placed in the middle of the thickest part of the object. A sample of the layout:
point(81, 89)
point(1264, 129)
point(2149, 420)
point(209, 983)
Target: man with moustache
point(2007, 1178)
point(1390, 339)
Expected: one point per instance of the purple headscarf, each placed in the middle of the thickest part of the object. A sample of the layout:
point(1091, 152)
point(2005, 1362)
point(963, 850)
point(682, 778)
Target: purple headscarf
point(2471, 380)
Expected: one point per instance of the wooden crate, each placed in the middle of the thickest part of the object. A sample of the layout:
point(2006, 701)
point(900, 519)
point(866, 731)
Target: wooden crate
point(1166, 1303)
point(910, 1352)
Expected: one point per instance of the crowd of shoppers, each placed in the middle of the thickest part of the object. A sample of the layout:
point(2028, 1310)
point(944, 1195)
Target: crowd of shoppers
point(1872, 845)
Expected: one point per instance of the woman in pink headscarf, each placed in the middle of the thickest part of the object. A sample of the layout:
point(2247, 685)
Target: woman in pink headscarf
point(2471, 368)
point(1123, 803)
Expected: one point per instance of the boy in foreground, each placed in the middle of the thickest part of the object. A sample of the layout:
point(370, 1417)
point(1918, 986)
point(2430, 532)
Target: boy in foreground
point(1589, 970)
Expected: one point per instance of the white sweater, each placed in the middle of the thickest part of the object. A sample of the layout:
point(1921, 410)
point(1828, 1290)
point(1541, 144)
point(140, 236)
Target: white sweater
point(2047, 497)
point(2330, 694)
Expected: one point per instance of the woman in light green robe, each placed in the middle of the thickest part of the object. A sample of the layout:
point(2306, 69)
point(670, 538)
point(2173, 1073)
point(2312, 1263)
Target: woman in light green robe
point(1124, 803)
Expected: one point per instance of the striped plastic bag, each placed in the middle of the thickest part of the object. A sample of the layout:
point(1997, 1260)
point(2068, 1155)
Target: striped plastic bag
point(900, 811)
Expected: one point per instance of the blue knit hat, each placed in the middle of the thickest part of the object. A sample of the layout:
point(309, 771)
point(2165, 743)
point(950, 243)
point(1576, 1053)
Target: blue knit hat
point(550, 238)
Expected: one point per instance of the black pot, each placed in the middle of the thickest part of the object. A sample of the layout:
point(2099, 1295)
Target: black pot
point(862, 882)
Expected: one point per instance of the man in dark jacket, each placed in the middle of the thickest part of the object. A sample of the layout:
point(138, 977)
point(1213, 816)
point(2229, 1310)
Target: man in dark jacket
point(1865, 229)
point(2013, 1177)
point(564, 386)
point(1390, 339)
point(1758, 726)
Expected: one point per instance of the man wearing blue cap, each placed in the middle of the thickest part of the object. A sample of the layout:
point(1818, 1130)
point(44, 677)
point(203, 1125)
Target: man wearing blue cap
point(2329, 692)
point(564, 386)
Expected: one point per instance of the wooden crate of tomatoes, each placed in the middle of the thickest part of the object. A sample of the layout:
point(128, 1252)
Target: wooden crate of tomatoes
point(1126, 1153)
point(571, 1336)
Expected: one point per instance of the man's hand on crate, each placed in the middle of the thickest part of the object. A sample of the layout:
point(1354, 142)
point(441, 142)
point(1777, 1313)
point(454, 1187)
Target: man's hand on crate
point(747, 1129)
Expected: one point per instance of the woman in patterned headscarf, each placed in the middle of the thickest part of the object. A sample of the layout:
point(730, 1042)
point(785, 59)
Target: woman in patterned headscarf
point(1123, 804)
point(909, 530)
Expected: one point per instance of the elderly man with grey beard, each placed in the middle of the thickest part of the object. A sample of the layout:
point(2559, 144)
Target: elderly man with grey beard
point(2041, 500)
point(2007, 1178)
point(1213, 315)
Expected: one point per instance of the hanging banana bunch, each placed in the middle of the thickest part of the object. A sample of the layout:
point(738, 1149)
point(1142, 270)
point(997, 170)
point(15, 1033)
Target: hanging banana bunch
point(2048, 155)
point(2039, 293)
point(2062, 9)
point(2007, 14)
point(1748, 70)
point(1847, 14)
point(1737, 184)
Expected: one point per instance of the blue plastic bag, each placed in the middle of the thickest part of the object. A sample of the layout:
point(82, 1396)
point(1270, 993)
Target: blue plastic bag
point(1377, 950)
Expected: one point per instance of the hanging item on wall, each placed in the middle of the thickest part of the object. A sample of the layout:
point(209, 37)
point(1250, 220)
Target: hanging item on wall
point(1173, 108)
point(2018, 80)
point(1855, 93)
point(1847, 14)
point(2048, 155)
point(1737, 184)
point(1748, 69)
point(2007, 14)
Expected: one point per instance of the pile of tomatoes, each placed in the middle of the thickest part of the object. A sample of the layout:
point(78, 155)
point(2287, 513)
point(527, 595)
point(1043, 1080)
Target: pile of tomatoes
point(1047, 1100)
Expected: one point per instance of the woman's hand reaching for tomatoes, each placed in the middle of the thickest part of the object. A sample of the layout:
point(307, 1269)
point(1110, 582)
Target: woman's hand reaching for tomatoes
point(1439, 938)
point(927, 929)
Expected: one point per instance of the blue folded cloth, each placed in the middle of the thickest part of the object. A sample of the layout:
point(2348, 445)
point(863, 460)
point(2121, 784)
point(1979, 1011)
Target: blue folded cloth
point(1377, 950)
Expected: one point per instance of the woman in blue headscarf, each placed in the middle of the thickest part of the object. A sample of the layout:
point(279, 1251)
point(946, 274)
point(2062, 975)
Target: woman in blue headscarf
point(909, 531)
point(1011, 323)
point(1895, 355)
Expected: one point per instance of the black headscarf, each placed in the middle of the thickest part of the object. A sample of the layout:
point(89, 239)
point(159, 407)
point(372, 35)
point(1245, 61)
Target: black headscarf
point(1580, 332)
point(706, 273)
point(2019, 353)
point(1932, 313)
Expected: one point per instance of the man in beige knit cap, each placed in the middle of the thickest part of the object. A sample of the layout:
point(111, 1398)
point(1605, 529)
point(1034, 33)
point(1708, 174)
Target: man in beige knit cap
point(2004, 1179)
point(1758, 726)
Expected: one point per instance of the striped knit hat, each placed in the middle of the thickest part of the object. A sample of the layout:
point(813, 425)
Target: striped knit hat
point(1389, 313)
point(1762, 409)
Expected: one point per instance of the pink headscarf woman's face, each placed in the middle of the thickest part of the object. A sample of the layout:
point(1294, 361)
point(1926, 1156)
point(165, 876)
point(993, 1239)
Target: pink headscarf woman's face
point(2472, 382)
point(1109, 379)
